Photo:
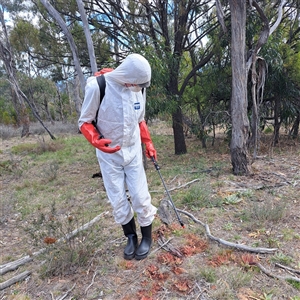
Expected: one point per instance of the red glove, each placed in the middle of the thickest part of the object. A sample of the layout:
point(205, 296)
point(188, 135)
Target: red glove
point(146, 139)
point(92, 135)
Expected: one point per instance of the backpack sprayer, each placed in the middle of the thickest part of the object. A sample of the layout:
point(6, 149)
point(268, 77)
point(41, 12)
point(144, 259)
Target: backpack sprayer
point(171, 201)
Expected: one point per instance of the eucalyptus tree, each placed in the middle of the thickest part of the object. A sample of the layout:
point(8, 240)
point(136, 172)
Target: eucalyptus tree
point(43, 95)
point(19, 98)
point(70, 20)
point(163, 31)
point(239, 118)
point(281, 104)
point(242, 62)
point(53, 12)
point(7, 56)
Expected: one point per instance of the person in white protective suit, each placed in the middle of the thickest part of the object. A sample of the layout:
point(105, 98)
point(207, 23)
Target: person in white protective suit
point(120, 130)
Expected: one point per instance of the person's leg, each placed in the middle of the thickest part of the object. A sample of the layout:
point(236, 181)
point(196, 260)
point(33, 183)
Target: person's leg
point(141, 202)
point(114, 182)
point(132, 239)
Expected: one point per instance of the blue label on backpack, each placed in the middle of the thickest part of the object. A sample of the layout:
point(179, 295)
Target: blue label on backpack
point(137, 105)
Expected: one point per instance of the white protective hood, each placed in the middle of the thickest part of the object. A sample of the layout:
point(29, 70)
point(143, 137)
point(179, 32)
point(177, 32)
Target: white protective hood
point(135, 69)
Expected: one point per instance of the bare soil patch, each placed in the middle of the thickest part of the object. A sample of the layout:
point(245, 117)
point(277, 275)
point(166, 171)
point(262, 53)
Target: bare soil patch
point(260, 210)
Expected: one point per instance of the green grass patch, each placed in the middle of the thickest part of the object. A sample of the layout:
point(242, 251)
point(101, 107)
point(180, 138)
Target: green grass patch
point(199, 195)
point(282, 258)
point(260, 212)
point(36, 148)
point(294, 284)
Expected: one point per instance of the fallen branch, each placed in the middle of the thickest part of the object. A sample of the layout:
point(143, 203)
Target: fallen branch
point(161, 245)
point(191, 216)
point(183, 185)
point(13, 280)
point(226, 243)
point(287, 268)
point(67, 293)
point(17, 263)
point(93, 281)
point(177, 187)
point(269, 273)
point(239, 246)
point(166, 245)
point(83, 227)
point(11, 266)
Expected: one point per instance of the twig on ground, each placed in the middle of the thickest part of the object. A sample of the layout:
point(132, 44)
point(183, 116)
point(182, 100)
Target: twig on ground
point(287, 268)
point(168, 246)
point(183, 185)
point(177, 187)
point(83, 227)
point(226, 243)
point(269, 273)
point(254, 298)
point(93, 281)
point(161, 245)
point(67, 293)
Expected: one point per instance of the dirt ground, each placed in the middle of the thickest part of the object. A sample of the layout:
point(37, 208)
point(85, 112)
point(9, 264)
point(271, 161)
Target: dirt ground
point(185, 263)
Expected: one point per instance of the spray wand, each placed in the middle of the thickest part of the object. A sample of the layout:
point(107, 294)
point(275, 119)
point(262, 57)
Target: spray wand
point(171, 201)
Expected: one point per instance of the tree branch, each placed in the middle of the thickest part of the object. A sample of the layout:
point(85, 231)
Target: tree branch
point(269, 273)
point(226, 243)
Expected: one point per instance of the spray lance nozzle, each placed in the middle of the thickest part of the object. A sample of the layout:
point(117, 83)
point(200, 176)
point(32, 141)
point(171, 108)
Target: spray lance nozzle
point(170, 198)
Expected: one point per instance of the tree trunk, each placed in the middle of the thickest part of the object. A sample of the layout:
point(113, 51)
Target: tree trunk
point(60, 106)
point(48, 112)
point(240, 122)
point(179, 141)
point(177, 118)
point(77, 98)
point(277, 121)
point(295, 128)
point(203, 135)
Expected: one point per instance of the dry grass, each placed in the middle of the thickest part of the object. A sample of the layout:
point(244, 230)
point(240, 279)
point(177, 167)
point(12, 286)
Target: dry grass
point(47, 191)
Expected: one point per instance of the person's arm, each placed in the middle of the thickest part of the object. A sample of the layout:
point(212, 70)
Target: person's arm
point(146, 139)
point(89, 110)
point(90, 103)
point(93, 136)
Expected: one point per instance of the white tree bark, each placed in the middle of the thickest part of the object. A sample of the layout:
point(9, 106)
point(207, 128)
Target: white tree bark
point(88, 36)
point(54, 13)
point(257, 77)
point(239, 101)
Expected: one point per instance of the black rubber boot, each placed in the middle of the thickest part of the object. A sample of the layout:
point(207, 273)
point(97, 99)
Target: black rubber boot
point(132, 240)
point(145, 245)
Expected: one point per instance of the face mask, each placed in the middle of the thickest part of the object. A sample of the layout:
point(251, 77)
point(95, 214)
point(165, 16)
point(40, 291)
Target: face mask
point(135, 89)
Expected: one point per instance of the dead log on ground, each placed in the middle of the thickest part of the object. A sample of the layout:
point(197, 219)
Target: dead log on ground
point(13, 280)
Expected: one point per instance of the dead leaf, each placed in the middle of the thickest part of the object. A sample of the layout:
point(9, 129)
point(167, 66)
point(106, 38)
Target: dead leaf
point(254, 234)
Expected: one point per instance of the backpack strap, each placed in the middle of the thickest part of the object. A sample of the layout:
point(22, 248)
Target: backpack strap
point(102, 84)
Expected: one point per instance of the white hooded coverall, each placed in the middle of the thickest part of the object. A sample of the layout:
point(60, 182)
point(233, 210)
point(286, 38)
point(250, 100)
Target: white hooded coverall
point(119, 116)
